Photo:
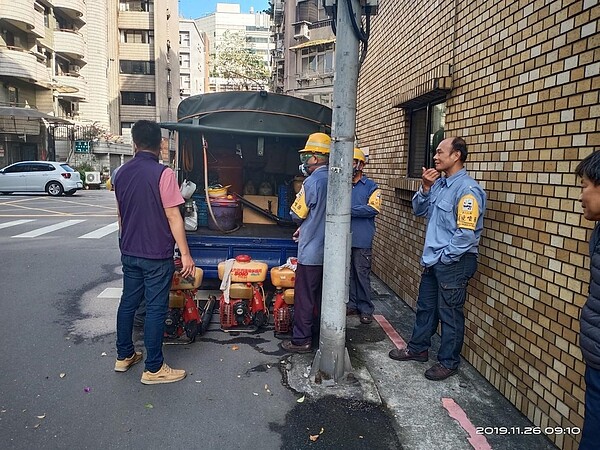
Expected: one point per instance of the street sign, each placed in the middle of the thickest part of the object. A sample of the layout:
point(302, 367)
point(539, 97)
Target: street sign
point(82, 146)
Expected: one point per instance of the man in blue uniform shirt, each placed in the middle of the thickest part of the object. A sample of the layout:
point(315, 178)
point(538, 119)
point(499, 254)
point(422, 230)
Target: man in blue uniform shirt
point(366, 203)
point(454, 205)
point(308, 211)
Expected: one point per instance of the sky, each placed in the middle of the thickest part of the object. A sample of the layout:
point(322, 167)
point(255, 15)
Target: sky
point(192, 9)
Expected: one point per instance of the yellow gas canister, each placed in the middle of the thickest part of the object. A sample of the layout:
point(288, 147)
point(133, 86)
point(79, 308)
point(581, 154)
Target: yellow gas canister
point(244, 270)
point(176, 299)
point(187, 283)
point(288, 296)
point(283, 277)
point(240, 290)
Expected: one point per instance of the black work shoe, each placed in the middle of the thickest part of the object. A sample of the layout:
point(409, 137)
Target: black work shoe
point(366, 319)
point(404, 354)
point(289, 346)
point(351, 312)
point(438, 372)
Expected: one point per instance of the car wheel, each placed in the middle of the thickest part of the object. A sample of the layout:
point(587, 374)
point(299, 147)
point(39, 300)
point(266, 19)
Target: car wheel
point(54, 188)
point(69, 193)
point(6, 193)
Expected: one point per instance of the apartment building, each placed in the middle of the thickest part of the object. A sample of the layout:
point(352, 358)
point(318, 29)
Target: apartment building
point(89, 68)
point(254, 29)
point(520, 81)
point(304, 53)
point(193, 59)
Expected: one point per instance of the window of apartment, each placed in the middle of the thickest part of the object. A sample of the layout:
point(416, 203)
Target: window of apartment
point(136, 67)
point(138, 98)
point(184, 81)
point(139, 5)
point(184, 60)
point(257, 40)
point(184, 38)
point(427, 124)
point(317, 59)
point(13, 96)
point(137, 36)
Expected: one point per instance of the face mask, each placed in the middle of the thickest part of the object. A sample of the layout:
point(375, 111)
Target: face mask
point(303, 168)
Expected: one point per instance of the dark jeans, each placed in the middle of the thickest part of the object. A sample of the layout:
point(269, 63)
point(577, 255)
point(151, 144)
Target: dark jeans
point(590, 437)
point(148, 279)
point(442, 295)
point(307, 303)
point(360, 281)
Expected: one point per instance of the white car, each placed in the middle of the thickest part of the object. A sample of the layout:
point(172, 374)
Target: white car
point(40, 176)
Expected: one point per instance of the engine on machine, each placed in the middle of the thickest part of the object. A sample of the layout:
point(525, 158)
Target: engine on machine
point(242, 304)
point(283, 279)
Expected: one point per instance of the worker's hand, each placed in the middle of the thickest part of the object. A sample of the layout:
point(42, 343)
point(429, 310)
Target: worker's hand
point(188, 268)
point(428, 178)
point(296, 235)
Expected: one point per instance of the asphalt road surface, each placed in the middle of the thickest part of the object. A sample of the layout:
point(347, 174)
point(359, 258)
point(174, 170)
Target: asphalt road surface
point(60, 282)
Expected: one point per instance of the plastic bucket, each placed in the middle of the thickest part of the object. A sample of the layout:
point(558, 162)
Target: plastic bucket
point(226, 213)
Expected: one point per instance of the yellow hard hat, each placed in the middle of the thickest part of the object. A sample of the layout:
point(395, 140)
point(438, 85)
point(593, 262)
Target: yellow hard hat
point(358, 154)
point(317, 143)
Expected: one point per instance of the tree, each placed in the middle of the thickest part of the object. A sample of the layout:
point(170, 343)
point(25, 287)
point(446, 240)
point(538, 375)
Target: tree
point(239, 65)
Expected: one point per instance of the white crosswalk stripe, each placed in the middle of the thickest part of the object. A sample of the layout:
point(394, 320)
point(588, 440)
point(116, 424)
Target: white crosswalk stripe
point(101, 232)
point(48, 229)
point(14, 223)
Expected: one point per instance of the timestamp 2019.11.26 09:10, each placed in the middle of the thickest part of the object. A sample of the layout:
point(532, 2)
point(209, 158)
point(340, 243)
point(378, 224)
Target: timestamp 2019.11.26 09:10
point(527, 430)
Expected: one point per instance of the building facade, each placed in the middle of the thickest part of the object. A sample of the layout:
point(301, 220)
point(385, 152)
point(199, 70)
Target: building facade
point(193, 59)
point(519, 80)
point(304, 53)
point(71, 68)
point(254, 28)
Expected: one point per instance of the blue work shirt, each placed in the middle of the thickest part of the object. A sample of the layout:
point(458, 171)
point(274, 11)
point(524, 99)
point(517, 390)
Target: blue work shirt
point(366, 203)
point(308, 211)
point(454, 207)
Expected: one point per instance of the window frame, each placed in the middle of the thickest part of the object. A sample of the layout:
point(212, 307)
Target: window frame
point(423, 157)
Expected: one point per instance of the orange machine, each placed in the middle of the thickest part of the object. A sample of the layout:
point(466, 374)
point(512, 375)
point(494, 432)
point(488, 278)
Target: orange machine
point(283, 279)
point(242, 303)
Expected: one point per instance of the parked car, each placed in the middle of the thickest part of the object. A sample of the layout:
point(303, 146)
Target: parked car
point(40, 176)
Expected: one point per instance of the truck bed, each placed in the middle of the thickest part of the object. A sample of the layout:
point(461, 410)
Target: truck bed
point(272, 244)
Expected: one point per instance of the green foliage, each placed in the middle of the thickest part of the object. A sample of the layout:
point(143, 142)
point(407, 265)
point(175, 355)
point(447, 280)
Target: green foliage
point(82, 168)
point(239, 65)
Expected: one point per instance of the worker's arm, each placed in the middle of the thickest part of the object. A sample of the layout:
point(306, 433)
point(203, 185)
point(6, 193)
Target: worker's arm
point(178, 231)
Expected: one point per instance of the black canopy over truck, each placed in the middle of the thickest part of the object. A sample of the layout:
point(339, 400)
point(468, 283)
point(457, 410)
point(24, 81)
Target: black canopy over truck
point(247, 142)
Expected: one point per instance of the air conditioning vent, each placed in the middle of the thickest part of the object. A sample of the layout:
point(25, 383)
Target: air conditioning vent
point(92, 177)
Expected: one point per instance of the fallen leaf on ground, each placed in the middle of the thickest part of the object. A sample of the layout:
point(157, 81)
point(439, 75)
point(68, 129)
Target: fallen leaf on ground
point(235, 347)
point(255, 393)
point(149, 405)
point(41, 417)
point(301, 399)
point(314, 437)
point(198, 381)
point(87, 389)
point(103, 354)
point(36, 425)
point(62, 375)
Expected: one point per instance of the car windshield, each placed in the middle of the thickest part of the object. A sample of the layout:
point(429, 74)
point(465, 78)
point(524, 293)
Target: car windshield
point(67, 168)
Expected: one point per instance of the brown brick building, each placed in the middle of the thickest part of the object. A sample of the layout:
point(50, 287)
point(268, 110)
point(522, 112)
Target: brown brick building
point(519, 80)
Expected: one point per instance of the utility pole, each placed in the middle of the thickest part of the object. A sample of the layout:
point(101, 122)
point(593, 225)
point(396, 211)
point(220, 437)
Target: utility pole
point(332, 359)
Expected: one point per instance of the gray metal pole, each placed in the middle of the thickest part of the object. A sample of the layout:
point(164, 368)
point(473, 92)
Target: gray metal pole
point(332, 358)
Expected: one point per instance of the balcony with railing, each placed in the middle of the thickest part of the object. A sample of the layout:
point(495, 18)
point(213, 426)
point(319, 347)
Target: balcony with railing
point(70, 43)
point(71, 86)
point(18, 62)
point(20, 13)
point(75, 9)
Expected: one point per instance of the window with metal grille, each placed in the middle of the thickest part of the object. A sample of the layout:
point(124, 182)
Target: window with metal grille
point(426, 132)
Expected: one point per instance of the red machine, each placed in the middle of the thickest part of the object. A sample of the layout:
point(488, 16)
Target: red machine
point(242, 304)
point(185, 316)
point(283, 279)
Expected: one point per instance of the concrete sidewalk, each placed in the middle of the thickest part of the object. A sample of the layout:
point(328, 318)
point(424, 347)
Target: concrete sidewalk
point(428, 414)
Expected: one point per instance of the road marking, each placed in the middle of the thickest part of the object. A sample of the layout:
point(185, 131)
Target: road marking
point(101, 232)
point(477, 441)
point(390, 331)
point(14, 223)
point(111, 293)
point(49, 229)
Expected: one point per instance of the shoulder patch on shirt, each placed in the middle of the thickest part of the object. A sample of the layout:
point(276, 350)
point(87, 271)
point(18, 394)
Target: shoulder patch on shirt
point(299, 206)
point(375, 200)
point(468, 212)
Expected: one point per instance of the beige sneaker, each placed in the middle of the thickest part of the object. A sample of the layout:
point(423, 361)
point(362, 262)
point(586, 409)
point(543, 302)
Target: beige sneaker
point(123, 365)
point(164, 375)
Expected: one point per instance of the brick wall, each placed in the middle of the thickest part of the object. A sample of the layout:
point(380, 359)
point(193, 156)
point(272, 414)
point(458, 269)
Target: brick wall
point(525, 82)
